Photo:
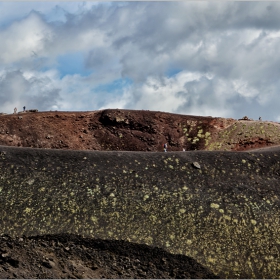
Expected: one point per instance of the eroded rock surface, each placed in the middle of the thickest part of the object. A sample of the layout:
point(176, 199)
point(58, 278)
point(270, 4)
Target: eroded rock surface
point(126, 130)
point(134, 130)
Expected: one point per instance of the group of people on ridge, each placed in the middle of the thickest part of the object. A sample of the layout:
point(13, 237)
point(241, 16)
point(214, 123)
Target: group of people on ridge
point(15, 109)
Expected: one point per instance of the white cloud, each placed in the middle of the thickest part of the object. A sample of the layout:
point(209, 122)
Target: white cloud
point(225, 56)
point(22, 39)
point(177, 94)
point(52, 10)
point(243, 89)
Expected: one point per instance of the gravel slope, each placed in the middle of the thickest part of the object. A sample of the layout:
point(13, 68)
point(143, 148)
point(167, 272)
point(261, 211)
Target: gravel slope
point(69, 257)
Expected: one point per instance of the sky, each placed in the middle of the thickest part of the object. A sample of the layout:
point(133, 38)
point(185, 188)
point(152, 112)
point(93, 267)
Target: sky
point(212, 58)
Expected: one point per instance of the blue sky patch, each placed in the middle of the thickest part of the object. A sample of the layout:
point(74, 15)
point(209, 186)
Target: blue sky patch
point(172, 72)
point(72, 63)
point(114, 86)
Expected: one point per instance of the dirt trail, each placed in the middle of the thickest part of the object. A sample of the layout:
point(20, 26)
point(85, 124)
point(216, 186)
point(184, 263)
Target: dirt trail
point(275, 148)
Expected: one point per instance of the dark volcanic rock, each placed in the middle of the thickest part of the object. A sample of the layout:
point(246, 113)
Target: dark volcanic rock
point(219, 208)
point(224, 215)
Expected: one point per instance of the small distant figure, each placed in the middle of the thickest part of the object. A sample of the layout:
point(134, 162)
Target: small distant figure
point(260, 118)
point(184, 150)
point(23, 108)
point(165, 147)
point(15, 110)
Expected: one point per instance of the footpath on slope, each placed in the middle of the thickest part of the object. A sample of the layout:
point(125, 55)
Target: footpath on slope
point(246, 135)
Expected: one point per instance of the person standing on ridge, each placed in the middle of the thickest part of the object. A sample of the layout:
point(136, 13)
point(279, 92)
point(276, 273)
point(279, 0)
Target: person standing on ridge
point(23, 108)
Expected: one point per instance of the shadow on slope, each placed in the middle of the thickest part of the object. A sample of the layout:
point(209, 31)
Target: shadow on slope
point(71, 256)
